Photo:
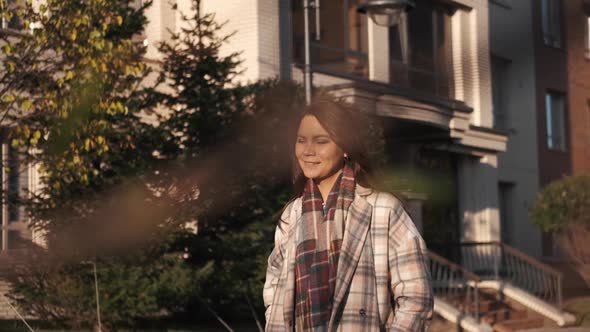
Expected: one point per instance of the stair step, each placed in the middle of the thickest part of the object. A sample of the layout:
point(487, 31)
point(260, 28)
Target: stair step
point(494, 316)
point(519, 314)
point(518, 324)
point(484, 306)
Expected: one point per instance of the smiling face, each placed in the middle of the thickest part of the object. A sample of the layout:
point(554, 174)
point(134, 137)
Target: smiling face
point(318, 155)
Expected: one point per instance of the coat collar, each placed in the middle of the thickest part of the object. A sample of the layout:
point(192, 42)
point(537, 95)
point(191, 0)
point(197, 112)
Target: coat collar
point(363, 191)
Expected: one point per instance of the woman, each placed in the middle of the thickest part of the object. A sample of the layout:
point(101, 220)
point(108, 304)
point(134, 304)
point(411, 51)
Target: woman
point(346, 257)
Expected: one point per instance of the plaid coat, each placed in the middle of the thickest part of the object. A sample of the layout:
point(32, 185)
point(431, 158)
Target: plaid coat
point(383, 281)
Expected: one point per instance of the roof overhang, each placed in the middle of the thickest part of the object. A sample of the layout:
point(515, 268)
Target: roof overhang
point(450, 115)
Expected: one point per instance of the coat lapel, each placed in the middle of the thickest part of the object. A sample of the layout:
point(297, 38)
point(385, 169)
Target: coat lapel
point(358, 220)
point(289, 293)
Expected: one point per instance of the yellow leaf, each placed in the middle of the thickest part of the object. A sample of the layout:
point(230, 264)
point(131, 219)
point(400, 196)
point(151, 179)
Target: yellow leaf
point(119, 20)
point(8, 99)
point(26, 104)
point(73, 35)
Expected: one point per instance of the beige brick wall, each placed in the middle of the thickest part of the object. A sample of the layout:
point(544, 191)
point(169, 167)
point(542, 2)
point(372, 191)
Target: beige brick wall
point(471, 60)
point(269, 55)
point(243, 19)
point(6, 311)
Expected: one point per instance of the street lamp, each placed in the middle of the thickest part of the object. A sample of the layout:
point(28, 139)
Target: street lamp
point(307, 5)
point(385, 13)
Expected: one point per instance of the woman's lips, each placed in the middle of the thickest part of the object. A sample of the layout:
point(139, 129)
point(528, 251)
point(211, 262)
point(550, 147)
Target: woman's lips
point(309, 163)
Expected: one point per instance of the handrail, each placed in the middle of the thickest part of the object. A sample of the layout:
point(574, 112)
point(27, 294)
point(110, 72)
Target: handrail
point(498, 261)
point(444, 261)
point(531, 260)
point(455, 284)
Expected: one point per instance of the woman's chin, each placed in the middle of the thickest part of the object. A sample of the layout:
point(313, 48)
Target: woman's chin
point(311, 175)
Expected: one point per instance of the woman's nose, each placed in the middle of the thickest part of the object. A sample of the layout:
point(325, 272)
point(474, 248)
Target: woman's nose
point(309, 149)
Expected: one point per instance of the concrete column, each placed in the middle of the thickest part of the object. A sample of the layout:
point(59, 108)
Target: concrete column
point(414, 206)
point(378, 52)
point(478, 198)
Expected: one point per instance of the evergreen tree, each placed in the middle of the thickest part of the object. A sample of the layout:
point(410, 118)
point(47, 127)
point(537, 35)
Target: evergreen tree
point(72, 97)
point(232, 138)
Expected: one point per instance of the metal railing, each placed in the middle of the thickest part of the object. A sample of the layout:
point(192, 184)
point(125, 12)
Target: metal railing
point(454, 284)
point(499, 261)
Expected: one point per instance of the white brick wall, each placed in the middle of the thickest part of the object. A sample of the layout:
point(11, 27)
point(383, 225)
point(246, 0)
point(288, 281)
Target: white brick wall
point(471, 61)
point(242, 19)
point(269, 55)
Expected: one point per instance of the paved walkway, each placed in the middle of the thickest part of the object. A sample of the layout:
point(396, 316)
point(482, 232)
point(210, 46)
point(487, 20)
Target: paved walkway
point(565, 329)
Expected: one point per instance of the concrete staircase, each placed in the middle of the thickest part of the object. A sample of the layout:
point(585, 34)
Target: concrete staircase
point(490, 286)
point(504, 315)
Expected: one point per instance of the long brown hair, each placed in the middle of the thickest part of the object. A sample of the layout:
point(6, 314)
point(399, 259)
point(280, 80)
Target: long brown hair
point(349, 130)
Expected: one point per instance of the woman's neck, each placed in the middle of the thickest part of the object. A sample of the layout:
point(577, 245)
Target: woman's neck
point(326, 184)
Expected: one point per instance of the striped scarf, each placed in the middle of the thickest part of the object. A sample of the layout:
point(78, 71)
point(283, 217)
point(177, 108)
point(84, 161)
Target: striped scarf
point(317, 252)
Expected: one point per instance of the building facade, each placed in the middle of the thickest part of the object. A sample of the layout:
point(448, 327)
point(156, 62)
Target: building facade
point(514, 109)
point(428, 80)
point(562, 69)
point(456, 85)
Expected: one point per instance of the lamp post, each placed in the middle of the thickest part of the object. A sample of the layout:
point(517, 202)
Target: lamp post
point(385, 13)
point(307, 68)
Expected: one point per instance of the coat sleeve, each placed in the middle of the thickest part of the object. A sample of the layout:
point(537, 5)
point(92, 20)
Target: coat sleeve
point(411, 283)
point(275, 263)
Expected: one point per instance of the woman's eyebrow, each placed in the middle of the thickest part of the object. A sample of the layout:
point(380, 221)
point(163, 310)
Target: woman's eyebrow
point(315, 136)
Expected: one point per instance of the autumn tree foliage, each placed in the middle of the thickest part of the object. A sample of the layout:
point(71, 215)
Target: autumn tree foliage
point(76, 107)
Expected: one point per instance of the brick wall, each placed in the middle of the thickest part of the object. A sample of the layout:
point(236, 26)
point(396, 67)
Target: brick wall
point(578, 81)
point(551, 75)
point(6, 311)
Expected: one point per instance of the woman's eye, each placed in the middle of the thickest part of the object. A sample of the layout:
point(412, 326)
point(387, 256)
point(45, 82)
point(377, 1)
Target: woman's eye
point(323, 142)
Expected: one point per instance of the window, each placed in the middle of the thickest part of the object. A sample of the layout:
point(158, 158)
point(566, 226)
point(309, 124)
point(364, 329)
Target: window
point(9, 19)
point(551, 20)
point(506, 193)
point(15, 186)
point(588, 37)
point(420, 49)
point(499, 91)
point(342, 43)
point(555, 117)
point(140, 38)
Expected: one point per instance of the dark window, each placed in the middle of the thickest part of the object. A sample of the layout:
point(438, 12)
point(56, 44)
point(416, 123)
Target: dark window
point(500, 91)
point(17, 183)
point(506, 193)
point(555, 117)
point(342, 46)
point(9, 19)
point(420, 49)
point(587, 24)
point(551, 22)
